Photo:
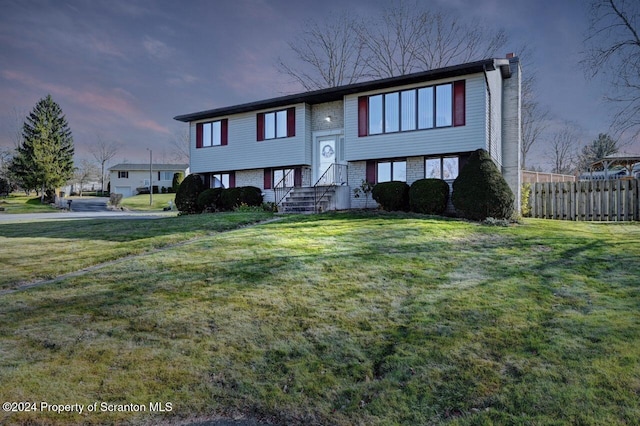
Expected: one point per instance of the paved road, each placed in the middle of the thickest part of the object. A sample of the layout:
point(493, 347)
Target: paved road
point(85, 208)
point(6, 218)
point(88, 204)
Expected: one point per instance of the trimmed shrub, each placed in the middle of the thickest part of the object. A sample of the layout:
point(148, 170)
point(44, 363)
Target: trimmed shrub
point(392, 196)
point(177, 180)
point(234, 197)
point(187, 194)
point(230, 199)
point(480, 191)
point(251, 196)
point(209, 199)
point(429, 196)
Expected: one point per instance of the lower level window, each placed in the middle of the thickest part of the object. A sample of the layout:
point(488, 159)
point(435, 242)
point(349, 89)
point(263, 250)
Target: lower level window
point(220, 180)
point(445, 168)
point(392, 170)
point(283, 178)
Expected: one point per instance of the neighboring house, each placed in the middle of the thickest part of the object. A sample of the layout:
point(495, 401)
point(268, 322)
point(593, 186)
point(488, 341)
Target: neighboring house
point(127, 179)
point(402, 128)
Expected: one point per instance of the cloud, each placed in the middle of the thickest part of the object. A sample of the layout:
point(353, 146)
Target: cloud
point(252, 74)
point(156, 48)
point(182, 79)
point(104, 47)
point(116, 102)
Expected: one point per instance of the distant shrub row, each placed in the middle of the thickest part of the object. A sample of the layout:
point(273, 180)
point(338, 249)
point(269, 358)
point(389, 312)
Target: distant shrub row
point(479, 192)
point(192, 197)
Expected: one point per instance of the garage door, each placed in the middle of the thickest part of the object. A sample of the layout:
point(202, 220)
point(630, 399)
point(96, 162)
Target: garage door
point(124, 190)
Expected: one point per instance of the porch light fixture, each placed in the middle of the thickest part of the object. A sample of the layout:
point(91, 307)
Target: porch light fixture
point(327, 119)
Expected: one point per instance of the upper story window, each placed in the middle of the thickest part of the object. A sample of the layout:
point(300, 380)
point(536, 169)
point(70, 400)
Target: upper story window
point(214, 133)
point(276, 124)
point(123, 175)
point(414, 109)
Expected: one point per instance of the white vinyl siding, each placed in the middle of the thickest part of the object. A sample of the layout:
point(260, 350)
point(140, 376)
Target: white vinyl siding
point(434, 141)
point(244, 152)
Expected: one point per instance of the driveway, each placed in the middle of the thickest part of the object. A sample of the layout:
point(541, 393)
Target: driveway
point(85, 208)
point(88, 204)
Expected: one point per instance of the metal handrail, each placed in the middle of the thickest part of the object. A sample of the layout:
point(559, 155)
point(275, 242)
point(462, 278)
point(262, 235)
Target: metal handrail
point(337, 170)
point(281, 192)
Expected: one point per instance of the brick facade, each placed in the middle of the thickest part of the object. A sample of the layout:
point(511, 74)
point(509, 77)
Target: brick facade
point(320, 112)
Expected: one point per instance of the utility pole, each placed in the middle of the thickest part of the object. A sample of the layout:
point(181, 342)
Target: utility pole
point(150, 177)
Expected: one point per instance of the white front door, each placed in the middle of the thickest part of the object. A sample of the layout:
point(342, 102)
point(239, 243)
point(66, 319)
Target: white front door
point(327, 157)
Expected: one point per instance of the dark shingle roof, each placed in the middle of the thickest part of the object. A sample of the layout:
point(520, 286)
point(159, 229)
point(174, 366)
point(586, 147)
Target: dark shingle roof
point(337, 93)
point(142, 166)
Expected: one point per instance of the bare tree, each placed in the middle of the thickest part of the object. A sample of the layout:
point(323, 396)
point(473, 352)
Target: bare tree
point(563, 149)
point(393, 42)
point(614, 50)
point(329, 54)
point(84, 173)
point(180, 146)
point(104, 151)
point(405, 38)
point(534, 123)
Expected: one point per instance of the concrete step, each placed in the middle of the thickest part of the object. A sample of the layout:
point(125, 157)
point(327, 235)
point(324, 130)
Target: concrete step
point(303, 200)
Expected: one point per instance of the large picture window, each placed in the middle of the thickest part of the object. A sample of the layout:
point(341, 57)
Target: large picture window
point(437, 106)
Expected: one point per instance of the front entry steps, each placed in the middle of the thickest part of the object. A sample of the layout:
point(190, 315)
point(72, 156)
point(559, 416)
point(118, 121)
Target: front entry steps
point(302, 200)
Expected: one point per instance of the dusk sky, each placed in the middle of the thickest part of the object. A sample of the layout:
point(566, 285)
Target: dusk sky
point(121, 70)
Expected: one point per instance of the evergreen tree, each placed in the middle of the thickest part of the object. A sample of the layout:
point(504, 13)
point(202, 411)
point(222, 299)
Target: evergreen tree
point(44, 160)
point(599, 148)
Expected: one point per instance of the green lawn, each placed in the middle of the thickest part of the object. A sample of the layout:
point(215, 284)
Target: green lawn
point(341, 319)
point(141, 202)
point(16, 203)
point(31, 251)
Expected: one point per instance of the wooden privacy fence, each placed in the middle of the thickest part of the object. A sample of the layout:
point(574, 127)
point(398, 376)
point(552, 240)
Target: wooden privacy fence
point(609, 200)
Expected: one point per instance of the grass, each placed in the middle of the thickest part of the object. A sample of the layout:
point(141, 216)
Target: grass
point(16, 203)
point(344, 319)
point(141, 202)
point(31, 251)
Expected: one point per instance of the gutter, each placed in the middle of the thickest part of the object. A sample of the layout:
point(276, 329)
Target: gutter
point(490, 110)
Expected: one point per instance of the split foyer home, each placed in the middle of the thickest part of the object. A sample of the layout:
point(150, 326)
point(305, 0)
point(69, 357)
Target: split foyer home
point(128, 179)
point(311, 150)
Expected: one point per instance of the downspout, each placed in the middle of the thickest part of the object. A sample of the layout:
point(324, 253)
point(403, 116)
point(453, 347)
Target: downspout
point(490, 112)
